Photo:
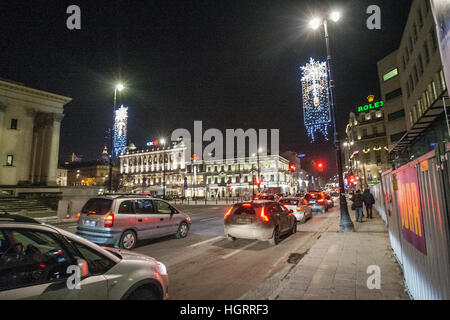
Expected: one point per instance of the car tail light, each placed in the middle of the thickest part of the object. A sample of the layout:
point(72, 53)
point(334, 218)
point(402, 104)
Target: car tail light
point(263, 216)
point(78, 215)
point(109, 220)
point(321, 200)
point(246, 205)
point(228, 213)
point(299, 209)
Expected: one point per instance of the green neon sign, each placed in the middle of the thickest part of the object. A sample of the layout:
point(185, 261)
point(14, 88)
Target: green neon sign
point(371, 106)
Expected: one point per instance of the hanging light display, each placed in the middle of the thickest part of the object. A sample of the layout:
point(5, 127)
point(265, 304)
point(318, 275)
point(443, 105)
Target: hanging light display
point(316, 103)
point(120, 130)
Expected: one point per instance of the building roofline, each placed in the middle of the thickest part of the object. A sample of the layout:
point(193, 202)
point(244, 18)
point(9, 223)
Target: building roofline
point(18, 87)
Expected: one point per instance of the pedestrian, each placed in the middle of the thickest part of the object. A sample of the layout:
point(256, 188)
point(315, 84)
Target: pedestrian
point(357, 205)
point(369, 201)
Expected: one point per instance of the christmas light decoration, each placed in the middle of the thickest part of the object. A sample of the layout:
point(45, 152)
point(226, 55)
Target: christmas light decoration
point(120, 130)
point(316, 103)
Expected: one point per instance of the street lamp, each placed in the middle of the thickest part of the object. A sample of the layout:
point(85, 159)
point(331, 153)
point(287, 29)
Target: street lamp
point(163, 142)
point(346, 224)
point(118, 87)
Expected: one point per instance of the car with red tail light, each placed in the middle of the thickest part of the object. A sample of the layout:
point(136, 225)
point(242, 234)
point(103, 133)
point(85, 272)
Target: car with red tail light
point(317, 201)
point(259, 220)
point(300, 207)
point(121, 221)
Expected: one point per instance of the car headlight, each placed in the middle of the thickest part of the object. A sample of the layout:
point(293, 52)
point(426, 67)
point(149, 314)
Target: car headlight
point(161, 268)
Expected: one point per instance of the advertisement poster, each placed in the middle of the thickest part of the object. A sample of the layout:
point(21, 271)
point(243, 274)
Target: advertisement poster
point(408, 198)
point(441, 11)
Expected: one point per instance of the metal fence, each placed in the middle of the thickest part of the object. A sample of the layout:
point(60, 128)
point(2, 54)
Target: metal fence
point(415, 201)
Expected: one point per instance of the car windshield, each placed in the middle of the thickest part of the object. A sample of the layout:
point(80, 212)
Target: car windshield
point(313, 196)
point(290, 202)
point(97, 206)
point(246, 208)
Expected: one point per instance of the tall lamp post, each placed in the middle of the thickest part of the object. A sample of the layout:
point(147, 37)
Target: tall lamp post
point(164, 167)
point(346, 224)
point(118, 87)
point(259, 171)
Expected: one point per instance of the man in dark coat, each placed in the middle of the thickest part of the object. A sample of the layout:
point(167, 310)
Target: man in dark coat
point(369, 201)
point(358, 205)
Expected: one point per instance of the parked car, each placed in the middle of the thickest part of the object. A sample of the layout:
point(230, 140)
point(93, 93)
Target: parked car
point(121, 221)
point(260, 220)
point(36, 262)
point(300, 207)
point(316, 200)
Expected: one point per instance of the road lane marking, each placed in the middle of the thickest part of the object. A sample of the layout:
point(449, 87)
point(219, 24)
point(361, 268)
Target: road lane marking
point(210, 219)
point(206, 241)
point(239, 250)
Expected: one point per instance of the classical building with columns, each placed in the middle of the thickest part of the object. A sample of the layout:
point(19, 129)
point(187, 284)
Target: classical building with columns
point(30, 122)
point(145, 170)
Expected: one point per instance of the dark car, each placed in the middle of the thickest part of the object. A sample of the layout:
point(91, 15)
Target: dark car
point(317, 201)
point(259, 220)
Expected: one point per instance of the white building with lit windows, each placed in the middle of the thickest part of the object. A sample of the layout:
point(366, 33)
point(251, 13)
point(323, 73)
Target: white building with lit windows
point(145, 170)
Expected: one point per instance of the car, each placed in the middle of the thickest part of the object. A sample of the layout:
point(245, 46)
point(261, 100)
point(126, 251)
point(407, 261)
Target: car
point(300, 207)
point(329, 200)
point(335, 196)
point(40, 261)
point(121, 221)
point(259, 220)
point(316, 200)
point(265, 197)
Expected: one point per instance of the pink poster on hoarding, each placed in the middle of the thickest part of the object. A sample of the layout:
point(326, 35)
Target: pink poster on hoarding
point(408, 199)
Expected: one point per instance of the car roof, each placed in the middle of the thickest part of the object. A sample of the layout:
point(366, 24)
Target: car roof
point(16, 218)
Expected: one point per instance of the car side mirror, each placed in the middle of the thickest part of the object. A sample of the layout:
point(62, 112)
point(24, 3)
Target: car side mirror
point(84, 268)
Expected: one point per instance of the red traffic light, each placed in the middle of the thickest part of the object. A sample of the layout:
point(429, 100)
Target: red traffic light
point(292, 167)
point(320, 166)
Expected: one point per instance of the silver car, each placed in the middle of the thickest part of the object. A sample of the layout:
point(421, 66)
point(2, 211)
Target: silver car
point(39, 261)
point(260, 220)
point(121, 221)
point(301, 210)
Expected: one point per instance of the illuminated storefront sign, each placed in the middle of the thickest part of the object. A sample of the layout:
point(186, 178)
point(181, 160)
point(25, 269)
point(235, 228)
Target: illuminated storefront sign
point(372, 105)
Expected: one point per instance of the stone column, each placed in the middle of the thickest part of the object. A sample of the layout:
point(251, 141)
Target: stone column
point(53, 148)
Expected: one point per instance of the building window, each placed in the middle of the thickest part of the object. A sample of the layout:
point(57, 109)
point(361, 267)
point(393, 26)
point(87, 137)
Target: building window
point(433, 85)
point(427, 52)
point(396, 115)
point(420, 17)
point(415, 33)
point(427, 6)
point(13, 124)
point(420, 64)
point(9, 160)
point(442, 79)
point(391, 74)
point(393, 94)
point(434, 39)
point(416, 75)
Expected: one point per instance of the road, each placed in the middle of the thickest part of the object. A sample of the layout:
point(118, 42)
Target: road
point(205, 265)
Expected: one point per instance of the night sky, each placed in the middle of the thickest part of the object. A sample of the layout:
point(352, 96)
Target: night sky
point(230, 63)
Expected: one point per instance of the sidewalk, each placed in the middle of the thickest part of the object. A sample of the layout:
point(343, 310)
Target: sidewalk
point(335, 268)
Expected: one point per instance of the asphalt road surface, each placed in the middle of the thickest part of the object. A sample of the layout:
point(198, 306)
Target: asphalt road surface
point(205, 265)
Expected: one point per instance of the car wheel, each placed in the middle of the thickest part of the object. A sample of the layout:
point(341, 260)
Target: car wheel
point(294, 227)
point(128, 240)
point(276, 237)
point(143, 293)
point(183, 229)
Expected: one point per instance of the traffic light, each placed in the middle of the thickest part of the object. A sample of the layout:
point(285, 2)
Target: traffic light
point(320, 166)
point(292, 167)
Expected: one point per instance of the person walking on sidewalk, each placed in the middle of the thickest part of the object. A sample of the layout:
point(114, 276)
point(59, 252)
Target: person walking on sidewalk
point(369, 201)
point(357, 205)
